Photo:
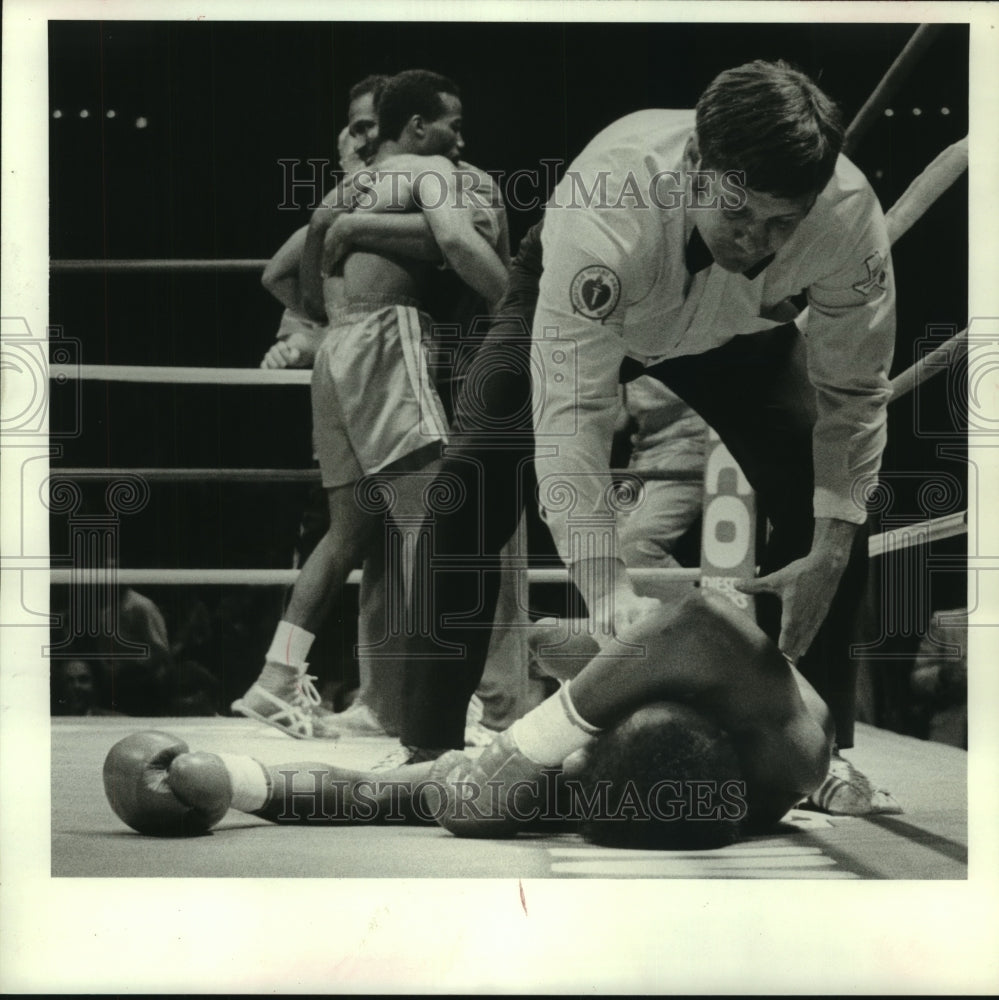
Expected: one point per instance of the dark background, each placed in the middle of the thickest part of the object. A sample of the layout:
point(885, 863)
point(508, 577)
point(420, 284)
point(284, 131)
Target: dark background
point(225, 102)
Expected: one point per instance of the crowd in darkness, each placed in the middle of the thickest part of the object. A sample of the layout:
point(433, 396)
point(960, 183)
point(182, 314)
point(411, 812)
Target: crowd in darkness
point(193, 181)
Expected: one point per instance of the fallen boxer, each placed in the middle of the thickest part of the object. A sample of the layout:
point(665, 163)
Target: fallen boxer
point(694, 728)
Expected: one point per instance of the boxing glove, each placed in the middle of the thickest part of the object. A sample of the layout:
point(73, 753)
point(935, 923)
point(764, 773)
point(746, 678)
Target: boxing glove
point(495, 795)
point(158, 788)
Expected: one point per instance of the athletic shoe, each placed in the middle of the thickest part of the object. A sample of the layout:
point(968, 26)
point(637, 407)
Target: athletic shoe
point(357, 720)
point(287, 701)
point(847, 792)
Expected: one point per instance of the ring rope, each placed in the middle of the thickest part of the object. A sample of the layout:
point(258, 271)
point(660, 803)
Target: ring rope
point(901, 384)
point(916, 199)
point(936, 361)
point(285, 577)
point(190, 376)
point(161, 265)
point(920, 41)
point(195, 475)
point(207, 475)
point(893, 540)
point(934, 530)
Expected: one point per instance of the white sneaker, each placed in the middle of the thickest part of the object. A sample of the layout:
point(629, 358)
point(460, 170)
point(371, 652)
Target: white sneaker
point(294, 708)
point(357, 720)
point(848, 792)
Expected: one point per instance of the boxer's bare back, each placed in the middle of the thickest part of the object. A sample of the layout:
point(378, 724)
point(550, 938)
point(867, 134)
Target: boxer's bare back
point(387, 186)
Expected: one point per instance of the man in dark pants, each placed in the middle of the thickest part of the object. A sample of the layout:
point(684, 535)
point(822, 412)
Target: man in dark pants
point(671, 236)
point(491, 456)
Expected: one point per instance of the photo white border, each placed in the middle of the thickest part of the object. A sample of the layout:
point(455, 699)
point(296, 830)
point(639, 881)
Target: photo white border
point(325, 935)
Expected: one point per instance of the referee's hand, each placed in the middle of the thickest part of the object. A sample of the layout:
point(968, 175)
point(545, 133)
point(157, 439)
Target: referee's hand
point(806, 588)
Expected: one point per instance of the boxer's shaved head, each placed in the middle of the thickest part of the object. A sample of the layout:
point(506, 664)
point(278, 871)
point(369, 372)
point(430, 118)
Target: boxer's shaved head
point(672, 780)
point(772, 123)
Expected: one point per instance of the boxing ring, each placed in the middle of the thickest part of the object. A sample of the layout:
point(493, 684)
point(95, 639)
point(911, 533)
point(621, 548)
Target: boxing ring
point(928, 841)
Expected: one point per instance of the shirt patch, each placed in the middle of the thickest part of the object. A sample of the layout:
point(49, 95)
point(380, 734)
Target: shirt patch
point(877, 276)
point(595, 292)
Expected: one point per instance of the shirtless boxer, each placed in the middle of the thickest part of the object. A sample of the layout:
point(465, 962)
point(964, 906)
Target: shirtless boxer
point(374, 408)
point(698, 673)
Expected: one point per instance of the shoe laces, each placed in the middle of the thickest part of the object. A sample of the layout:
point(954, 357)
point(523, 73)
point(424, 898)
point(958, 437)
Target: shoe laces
point(306, 693)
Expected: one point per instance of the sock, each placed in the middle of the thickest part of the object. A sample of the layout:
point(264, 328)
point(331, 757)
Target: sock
point(290, 646)
point(250, 785)
point(553, 730)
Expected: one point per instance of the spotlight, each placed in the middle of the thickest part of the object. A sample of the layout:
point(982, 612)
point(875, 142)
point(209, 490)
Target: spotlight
point(889, 113)
point(945, 111)
point(141, 121)
point(84, 113)
point(917, 112)
point(112, 114)
point(57, 113)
